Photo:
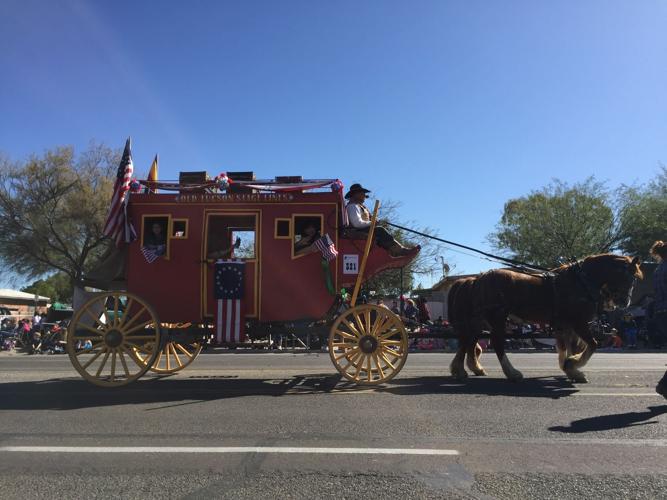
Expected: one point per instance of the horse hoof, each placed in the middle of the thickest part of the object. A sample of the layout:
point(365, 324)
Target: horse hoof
point(515, 377)
point(580, 379)
point(460, 376)
point(480, 373)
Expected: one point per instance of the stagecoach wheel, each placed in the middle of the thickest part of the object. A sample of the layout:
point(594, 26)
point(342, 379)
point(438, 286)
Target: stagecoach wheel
point(368, 344)
point(113, 324)
point(173, 357)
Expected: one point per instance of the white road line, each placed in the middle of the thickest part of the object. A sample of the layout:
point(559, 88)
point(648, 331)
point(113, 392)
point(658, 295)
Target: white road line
point(226, 449)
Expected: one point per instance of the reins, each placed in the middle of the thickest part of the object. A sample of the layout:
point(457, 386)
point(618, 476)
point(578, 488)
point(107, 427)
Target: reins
point(516, 264)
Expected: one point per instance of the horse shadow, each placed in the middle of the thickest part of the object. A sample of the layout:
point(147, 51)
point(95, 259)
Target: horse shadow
point(613, 421)
point(75, 393)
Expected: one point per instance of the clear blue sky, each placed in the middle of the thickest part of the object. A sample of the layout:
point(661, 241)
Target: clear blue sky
point(451, 107)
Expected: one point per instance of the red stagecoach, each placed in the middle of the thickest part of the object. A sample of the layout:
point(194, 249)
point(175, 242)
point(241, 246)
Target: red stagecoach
point(216, 262)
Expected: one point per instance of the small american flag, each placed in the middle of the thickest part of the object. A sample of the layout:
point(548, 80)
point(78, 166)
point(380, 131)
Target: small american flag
point(118, 225)
point(228, 291)
point(150, 254)
point(327, 247)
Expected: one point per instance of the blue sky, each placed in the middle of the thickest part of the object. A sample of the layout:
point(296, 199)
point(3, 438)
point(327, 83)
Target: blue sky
point(452, 107)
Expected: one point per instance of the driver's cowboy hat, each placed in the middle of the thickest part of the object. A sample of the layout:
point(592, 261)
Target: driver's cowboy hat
point(356, 188)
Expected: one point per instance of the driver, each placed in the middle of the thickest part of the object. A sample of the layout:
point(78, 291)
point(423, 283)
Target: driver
point(360, 219)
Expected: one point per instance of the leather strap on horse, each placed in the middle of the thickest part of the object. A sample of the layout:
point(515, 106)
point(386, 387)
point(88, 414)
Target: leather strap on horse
point(517, 264)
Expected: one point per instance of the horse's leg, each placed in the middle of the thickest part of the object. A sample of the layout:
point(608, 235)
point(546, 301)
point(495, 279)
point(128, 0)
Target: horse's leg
point(498, 339)
point(575, 361)
point(456, 367)
point(474, 352)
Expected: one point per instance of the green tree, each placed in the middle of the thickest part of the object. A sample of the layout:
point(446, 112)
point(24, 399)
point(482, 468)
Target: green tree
point(558, 221)
point(643, 215)
point(52, 210)
point(58, 287)
point(389, 281)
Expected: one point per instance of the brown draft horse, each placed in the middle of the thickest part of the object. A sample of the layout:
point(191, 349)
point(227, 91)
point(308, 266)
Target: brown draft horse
point(568, 298)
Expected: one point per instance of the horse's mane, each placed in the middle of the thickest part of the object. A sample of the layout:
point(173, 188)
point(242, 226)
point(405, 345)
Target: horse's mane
point(607, 256)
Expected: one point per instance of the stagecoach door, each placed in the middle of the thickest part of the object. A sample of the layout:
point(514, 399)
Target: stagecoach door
point(232, 236)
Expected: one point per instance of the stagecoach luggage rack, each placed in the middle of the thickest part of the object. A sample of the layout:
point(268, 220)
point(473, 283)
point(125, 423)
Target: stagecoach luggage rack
point(192, 178)
point(240, 176)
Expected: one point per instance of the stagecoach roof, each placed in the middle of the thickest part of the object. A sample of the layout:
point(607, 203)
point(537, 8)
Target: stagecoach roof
point(278, 184)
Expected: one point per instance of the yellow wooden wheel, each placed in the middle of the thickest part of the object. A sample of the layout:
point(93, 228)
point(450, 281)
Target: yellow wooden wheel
point(104, 333)
point(368, 344)
point(173, 357)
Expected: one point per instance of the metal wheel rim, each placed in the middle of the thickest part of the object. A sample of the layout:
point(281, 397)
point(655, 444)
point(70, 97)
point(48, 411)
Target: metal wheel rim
point(347, 348)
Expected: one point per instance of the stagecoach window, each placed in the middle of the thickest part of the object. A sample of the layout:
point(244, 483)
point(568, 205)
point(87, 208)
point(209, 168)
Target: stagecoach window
point(307, 229)
point(231, 237)
point(283, 229)
point(179, 229)
point(154, 235)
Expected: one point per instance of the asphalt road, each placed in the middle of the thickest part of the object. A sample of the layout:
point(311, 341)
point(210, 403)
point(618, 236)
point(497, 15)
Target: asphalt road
point(540, 438)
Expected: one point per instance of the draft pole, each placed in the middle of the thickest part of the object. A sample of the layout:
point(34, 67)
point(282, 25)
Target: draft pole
point(367, 249)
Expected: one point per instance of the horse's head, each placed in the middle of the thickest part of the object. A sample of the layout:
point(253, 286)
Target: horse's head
point(615, 276)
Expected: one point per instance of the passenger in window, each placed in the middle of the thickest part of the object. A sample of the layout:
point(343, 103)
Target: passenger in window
point(304, 241)
point(156, 239)
point(224, 253)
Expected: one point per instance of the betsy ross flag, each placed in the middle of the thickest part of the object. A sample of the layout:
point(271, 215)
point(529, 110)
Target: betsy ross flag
point(228, 292)
point(327, 247)
point(118, 226)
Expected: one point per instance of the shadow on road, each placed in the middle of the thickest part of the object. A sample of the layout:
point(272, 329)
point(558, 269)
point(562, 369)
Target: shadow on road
point(614, 421)
point(69, 394)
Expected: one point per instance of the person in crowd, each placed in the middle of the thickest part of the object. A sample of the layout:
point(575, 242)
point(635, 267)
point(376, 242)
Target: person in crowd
point(410, 312)
point(423, 311)
point(36, 319)
point(360, 219)
point(394, 307)
point(304, 241)
point(629, 331)
point(659, 253)
point(380, 303)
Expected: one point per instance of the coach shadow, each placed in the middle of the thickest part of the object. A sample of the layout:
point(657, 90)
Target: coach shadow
point(71, 393)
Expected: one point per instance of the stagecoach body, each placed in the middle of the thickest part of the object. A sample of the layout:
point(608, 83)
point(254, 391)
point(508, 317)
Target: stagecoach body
point(158, 311)
point(279, 286)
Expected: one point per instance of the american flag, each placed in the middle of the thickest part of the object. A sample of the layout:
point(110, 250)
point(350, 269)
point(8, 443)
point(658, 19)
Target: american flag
point(118, 226)
point(228, 291)
point(150, 254)
point(327, 247)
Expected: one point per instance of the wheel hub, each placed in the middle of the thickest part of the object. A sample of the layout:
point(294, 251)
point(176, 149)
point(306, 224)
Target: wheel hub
point(113, 338)
point(368, 344)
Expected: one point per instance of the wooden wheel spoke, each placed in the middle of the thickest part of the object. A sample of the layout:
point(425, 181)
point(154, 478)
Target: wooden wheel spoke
point(377, 363)
point(134, 318)
point(341, 333)
point(95, 331)
point(138, 327)
point(183, 350)
point(379, 325)
point(128, 308)
point(386, 360)
point(178, 360)
point(113, 365)
point(347, 353)
point(359, 323)
point(91, 360)
point(115, 310)
point(359, 366)
point(369, 371)
point(89, 351)
point(96, 320)
point(392, 352)
point(389, 333)
point(367, 321)
point(159, 358)
point(352, 328)
point(390, 342)
point(104, 362)
point(123, 363)
point(166, 355)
